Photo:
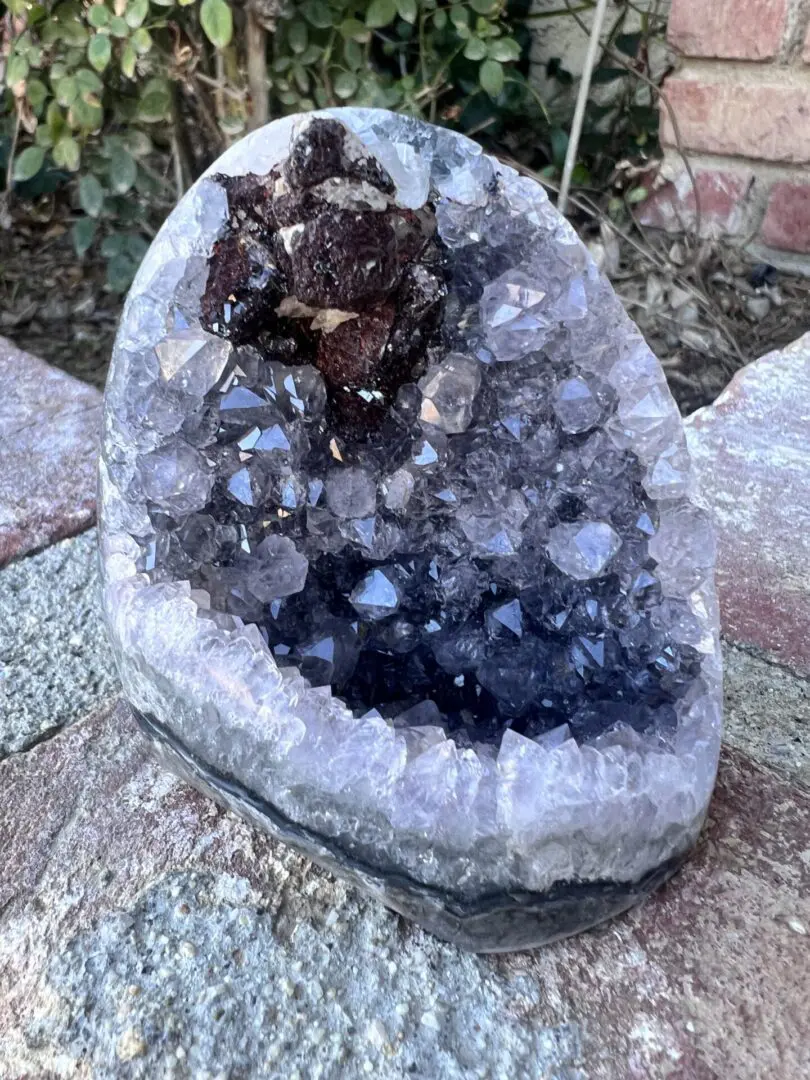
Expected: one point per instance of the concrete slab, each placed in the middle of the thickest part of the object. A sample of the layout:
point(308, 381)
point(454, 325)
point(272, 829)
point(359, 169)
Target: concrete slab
point(55, 663)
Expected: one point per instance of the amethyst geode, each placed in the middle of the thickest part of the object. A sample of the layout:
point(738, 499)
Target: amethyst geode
point(399, 551)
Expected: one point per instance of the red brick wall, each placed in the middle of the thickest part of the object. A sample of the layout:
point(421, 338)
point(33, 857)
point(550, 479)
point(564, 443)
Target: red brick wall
point(741, 98)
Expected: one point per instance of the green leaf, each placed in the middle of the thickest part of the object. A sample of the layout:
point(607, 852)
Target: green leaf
point(128, 60)
point(353, 55)
point(637, 195)
point(138, 143)
point(122, 170)
point(345, 84)
point(155, 102)
point(67, 90)
point(407, 10)
point(440, 19)
point(504, 49)
point(91, 195)
point(99, 16)
point(354, 30)
point(559, 145)
point(86, 113)
point(54, 120)
point(135, 246)
point(317, 14)
point(475, 49)
point(490, 75)
point(381, 13)
point(298, 36)
point(120, 272)
point(28, 163)
point(16, 70)
point(88, 82)
point(37, 93)
point(481, 7)
point(311, 55)
point(113, 245)
point(67, 154)
point(84, 233)
point(141, 41)
point(99, 51)
point(136, 12)
point(68, 25)
point(217, 22)
point(118, 26)
point(301, 77)
point(459, 16)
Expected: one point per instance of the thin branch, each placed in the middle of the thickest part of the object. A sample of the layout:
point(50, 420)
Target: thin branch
point(582, 101)
point(12, 150)
point(256, 64)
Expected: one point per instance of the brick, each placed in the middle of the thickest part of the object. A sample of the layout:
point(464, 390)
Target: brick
point(729, 29)
point(49, 429)
point(767, 120)
point(721, 193)
point(750, 453)
point(787, 218)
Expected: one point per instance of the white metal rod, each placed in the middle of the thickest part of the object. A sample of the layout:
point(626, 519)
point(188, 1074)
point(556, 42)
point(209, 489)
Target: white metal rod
point(582, 101)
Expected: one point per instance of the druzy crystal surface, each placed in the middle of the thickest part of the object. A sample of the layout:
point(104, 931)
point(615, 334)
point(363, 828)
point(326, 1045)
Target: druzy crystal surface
point(400, 550)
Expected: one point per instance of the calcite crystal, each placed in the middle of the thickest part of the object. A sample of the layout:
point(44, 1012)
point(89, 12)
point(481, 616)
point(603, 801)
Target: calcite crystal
point(401, 558)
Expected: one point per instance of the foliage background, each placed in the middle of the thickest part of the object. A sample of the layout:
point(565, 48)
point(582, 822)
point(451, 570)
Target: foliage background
point(113, 107)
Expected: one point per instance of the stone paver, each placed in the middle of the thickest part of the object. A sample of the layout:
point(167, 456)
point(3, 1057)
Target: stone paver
point(144, 932)
point(49, 430)
point(751, 450)
point(55, 663)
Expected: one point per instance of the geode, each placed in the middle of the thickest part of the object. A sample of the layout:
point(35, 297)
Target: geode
point(401, 557)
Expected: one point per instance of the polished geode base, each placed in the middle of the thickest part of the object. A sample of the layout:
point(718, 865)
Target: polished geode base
point(494, 921)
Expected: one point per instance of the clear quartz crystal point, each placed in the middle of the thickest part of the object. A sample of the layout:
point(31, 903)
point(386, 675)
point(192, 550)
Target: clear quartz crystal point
point(401, 556)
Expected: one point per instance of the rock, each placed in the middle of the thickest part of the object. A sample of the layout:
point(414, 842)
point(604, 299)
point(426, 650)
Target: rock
point(49, 429)
point(470, 348)
point(55, 663)
point(767, 713)
point(751, 451)
point(140, 924)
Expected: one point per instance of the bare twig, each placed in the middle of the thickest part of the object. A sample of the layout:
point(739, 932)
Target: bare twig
point(12, 150)
point(219, 85)
point(582, 100)
point(256, 57)
point(228, 91)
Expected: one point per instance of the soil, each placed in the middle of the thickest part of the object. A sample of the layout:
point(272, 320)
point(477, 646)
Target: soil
point(706, 309)
point(54, 304)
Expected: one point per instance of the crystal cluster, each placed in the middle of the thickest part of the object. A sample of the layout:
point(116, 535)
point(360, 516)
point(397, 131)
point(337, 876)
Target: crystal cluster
point(398, 530)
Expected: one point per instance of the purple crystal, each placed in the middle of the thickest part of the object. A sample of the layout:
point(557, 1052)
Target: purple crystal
point(397, 529)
